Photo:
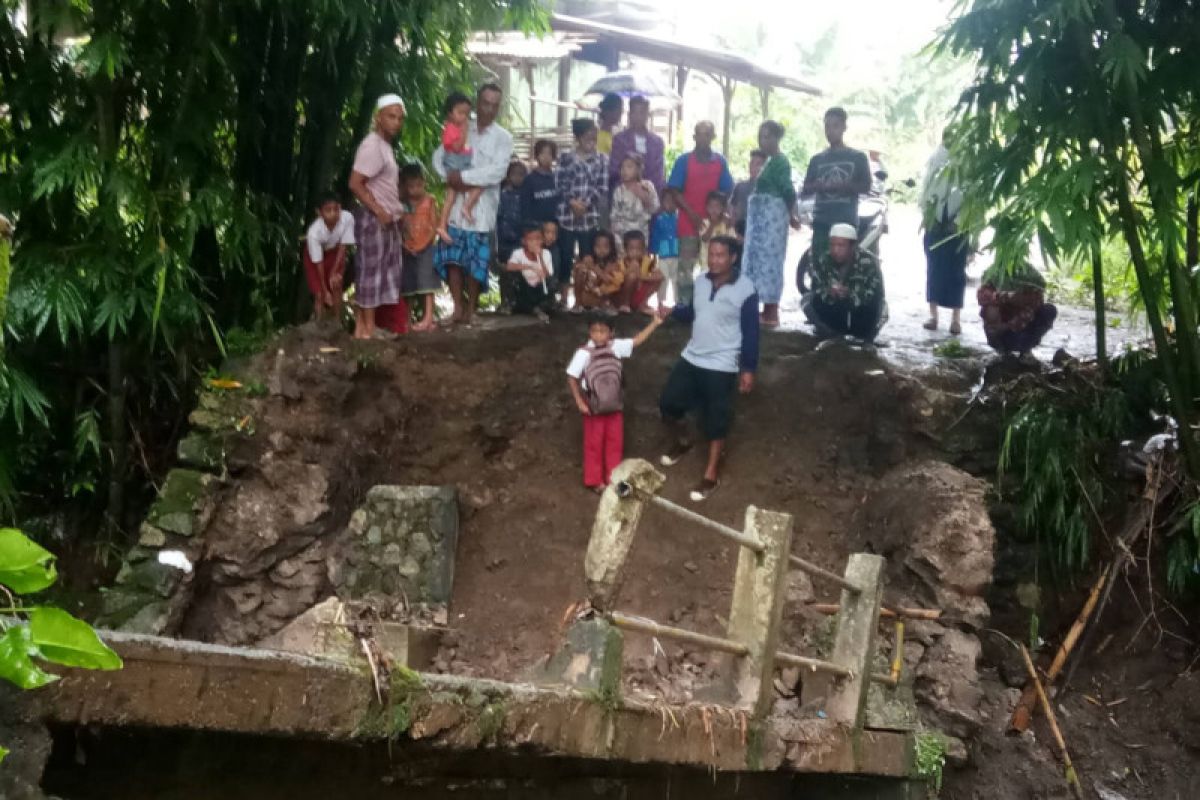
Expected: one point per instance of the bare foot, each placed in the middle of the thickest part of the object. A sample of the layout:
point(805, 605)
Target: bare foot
point(469, 214)
point(931, 324)
point(444, 235)
point(955, 329)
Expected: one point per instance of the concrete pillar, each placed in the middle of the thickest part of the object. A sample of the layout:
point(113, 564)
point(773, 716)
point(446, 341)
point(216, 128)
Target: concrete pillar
point(854, 645)
point(757, 607)
point(613, 531)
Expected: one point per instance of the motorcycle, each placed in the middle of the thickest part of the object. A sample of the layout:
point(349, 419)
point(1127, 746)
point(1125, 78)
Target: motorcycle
point(872, 220)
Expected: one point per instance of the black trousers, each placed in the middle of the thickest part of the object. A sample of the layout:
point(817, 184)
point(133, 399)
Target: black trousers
point(692, 388)
point(861, 322)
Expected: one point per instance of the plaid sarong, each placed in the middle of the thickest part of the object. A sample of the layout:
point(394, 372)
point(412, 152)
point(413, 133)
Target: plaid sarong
point(470, 250)
point(378, 263)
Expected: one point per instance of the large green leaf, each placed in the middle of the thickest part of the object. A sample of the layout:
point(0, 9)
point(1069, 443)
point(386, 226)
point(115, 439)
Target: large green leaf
point(16, 664)
point(25, 566)
point(65, 640)
point(3, 753)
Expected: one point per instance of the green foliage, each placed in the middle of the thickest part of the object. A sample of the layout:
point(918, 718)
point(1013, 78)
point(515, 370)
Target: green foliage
point(931, 759)
point(39, 633)
point(25, 567)
point(951, 348)
point(1080, 126)
point(159, 162)
point(1058, 447)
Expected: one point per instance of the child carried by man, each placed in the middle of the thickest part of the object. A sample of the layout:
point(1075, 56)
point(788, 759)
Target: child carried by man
point(457, 147)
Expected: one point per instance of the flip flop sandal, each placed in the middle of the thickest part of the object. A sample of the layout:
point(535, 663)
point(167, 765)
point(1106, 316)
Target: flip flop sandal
point(704, 490)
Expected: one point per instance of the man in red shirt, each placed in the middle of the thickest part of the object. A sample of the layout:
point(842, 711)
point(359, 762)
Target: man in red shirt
point(694, 176)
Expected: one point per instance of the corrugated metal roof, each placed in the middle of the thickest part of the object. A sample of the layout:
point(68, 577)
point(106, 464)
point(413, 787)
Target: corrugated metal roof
point(708, 59)
point(518, 46)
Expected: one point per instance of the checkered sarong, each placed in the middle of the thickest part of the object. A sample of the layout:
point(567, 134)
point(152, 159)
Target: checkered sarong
point(378, 262)
point(470, 251)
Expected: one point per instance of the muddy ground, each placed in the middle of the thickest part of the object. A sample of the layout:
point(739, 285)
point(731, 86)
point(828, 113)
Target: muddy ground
point(487, 410)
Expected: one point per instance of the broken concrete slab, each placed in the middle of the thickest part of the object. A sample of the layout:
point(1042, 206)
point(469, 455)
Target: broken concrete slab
point(174, 684)
point(588, 660)
point(327, 630)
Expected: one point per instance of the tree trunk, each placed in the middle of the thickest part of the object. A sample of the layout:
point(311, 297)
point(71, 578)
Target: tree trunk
point(1101, 322)
point(117, 440)
point(1181, 401)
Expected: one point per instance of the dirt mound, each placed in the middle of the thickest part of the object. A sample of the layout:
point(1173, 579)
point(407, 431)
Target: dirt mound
point(488, 412)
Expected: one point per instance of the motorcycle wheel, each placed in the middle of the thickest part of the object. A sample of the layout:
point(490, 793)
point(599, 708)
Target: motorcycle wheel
point(801, 269)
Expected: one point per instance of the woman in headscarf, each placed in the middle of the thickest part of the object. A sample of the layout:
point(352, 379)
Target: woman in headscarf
point(771, 207)
point(375, 181)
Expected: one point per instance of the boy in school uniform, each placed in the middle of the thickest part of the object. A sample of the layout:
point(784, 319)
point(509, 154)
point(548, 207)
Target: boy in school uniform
point(595, 379)
point(325, 244)
point(664, 243)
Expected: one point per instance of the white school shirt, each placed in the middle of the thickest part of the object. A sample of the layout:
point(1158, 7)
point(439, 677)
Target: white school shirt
point(622, 348)
point(321, 239)
point(533, 276)
point(491, 152)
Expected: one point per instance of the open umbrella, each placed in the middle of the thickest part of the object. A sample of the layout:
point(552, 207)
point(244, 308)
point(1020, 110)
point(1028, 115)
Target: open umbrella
point(632, 82)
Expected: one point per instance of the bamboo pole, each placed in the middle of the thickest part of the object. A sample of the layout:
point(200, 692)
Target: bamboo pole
point(931, 614)
point(1071, 775)
point(649, 626)
point(821, 572)
point(1023, 713)
point(814, 664)
point(744, 539)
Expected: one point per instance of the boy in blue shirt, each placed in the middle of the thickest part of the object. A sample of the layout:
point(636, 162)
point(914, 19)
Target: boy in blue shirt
point(664, 243)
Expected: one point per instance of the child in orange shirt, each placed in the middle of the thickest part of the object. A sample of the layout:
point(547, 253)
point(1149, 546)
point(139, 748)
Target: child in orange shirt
point(417, 277)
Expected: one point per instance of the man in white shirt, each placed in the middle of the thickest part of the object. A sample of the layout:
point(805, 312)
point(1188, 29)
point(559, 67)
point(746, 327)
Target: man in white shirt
point(325, 254)
point(463, 264)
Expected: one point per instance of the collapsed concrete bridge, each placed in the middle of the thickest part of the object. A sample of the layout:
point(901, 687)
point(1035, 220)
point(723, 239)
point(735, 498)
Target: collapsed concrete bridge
point(572, 709)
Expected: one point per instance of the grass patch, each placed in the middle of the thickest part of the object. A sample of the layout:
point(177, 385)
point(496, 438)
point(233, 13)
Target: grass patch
point(952, 348)
point(931, 760)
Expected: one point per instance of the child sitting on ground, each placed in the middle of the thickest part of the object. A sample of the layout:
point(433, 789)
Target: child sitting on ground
point(418, 279)
point(325, 246)
point(595, 379)
point(457, 157)
point(532, 269)
point(642, 276)
point(598, 277)
point(664, 243)
point(716, 223)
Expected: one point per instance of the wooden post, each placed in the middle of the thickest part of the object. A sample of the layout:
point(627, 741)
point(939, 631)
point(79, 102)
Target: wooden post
point(528, 70)
point(564, 90)
point(854, 646)
point(764, 101)
point(757, 607)
point(728, 87)
point(681, 78)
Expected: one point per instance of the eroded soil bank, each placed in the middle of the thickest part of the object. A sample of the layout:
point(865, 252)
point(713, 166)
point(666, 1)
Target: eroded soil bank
point(854, 448)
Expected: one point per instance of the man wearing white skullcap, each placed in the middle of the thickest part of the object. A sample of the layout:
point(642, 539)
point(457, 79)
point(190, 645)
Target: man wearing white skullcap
point(375, 181)
point(847, 295)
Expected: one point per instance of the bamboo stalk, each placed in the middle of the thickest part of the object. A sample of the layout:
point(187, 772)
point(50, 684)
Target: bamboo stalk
point(814, 664)
point(1071, 775)
point(930, 614)
point(1023, 713)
